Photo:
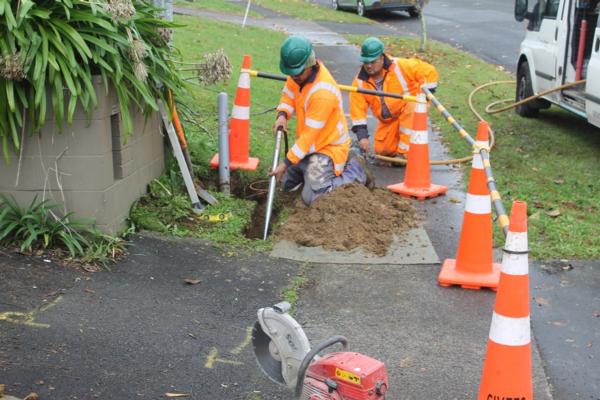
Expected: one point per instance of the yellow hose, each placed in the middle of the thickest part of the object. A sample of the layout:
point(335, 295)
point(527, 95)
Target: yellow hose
point(490, 110)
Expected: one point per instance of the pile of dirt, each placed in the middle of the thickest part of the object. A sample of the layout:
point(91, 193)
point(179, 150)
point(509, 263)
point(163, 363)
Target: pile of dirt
point(348, 217)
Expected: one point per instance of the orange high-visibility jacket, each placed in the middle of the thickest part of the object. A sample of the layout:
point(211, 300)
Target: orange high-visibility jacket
point(321, 124)
point(400, 75)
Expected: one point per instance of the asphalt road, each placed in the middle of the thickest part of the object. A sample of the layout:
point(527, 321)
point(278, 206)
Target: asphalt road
point(485, 28)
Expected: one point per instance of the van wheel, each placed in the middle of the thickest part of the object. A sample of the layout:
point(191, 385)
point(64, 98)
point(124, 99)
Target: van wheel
point(414, 13)
point(525, 90)
point(360, 8)
point(335, 5)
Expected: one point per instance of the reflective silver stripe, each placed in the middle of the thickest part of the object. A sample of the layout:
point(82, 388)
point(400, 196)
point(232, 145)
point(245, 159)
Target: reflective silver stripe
point(359, 122)
point(360, 83)
point(313, 123)
point(510, 331)
point(431, 85)
point(515, 264)
point(288, 92)
point(298, 152)
point(244, 81)
point(286, 107)
point(406, 131)
point(312, 149)
point(340, 167)
point(419, 137)
point(400, 77)
point(340, 128)
point(240, 112)
point(327, 86)
point(478, 204)
point(341, 140)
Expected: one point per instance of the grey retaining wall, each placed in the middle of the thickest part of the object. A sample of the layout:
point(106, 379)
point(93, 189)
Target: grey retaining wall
point(100, 175)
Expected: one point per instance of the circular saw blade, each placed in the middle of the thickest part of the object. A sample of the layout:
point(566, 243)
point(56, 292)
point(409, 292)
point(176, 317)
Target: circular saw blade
point(267, 354)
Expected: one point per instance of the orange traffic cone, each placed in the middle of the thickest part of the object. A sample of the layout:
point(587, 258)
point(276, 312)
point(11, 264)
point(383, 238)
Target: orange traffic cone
point(239, 125)
point(507, 366)
point(473, 267)
point(417, 181)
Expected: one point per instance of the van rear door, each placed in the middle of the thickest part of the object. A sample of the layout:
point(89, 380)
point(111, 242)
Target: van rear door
point(592, 86)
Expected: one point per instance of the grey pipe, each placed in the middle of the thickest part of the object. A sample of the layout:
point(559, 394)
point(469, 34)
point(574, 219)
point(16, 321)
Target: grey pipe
point(223, 144)
point(272, 182)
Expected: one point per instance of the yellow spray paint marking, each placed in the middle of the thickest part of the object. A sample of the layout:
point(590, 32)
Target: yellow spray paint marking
point(213, 358)
point(245, 343)
point(28, 318)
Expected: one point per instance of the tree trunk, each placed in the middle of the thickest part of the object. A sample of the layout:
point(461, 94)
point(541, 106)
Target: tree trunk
point(423, 45)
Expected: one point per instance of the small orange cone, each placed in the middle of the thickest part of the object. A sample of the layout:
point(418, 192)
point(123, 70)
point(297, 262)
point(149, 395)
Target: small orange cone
point(417, 181)
point(239, 125)
point(507, 366)
point(473, 267)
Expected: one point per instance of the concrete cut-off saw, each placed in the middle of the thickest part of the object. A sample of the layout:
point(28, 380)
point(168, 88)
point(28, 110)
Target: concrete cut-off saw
point(283, 352)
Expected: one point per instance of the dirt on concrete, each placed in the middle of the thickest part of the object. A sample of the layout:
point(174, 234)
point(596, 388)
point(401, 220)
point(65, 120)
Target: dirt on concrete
point(350, 216)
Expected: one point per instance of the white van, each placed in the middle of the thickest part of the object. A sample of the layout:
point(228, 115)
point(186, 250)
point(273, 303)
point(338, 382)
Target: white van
point(549, 53)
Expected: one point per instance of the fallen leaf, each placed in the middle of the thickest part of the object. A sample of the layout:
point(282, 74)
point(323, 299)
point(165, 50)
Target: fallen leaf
point(169, 394)
point(559, 181)
point(454, 200)
point(89, 290)
point(538, 204)
point(39, 382)
point(535, 216)
point(567, 267)
point(541, 301)
point(552, 213)
point(31, 396)
point(2, 387)
point(558, 323)
point(90, 268)
point(536, 169)
point(191, 281)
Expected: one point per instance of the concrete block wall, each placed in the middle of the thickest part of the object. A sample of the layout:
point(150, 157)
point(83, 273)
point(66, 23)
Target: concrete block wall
point(88, 168)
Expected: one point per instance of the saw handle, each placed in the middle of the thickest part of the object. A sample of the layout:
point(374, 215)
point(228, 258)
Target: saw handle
point(312, 353)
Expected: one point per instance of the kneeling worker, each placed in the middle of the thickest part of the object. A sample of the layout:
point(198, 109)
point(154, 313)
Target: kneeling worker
point(394, 116)
point(319, 157)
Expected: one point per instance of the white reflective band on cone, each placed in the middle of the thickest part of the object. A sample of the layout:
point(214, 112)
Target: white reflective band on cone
point(240, 112)
point(356, 122)
point(510, 331)
point(515, 264)
point(419, 137)
point(244, 81)
point(478, 204)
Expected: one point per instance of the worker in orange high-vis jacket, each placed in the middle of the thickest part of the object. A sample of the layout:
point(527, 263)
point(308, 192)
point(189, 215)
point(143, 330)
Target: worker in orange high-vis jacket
point(319, 157)
point(394, 116)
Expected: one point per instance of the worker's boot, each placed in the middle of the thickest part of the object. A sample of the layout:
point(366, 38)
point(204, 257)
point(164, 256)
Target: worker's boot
point(370, 182)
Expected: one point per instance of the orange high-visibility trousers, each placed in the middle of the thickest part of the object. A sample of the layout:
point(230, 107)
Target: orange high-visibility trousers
point(393, 136)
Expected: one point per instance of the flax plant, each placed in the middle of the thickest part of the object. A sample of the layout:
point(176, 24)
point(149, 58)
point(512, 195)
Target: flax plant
point(51, 49)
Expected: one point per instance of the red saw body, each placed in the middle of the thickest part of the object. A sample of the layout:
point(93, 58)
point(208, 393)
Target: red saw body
point(345, 376)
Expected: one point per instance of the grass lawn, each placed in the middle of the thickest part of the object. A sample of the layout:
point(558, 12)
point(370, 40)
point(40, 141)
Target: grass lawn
point(551, 162)
point(217, 5)
point(294, 8)
point(166, 208)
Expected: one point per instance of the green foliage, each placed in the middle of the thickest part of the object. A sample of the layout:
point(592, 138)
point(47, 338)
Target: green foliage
point(50, 50)
point(39, 226)
point(167, 209)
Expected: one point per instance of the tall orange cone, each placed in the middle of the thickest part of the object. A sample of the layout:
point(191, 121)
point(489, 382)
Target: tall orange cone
point(507, 366)
point(473, 267)
point(239, 125)
point(417, 181)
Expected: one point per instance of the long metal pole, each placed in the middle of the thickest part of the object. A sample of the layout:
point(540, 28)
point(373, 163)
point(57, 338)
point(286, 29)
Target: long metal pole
point(346, 88)
point(223, 144)
point(272, 182)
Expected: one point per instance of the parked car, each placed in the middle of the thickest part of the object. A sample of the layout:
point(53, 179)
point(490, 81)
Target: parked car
point(363, 7)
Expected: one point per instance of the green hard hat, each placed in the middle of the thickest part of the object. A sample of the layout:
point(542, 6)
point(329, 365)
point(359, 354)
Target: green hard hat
point(295, 52)
point(371, 49)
